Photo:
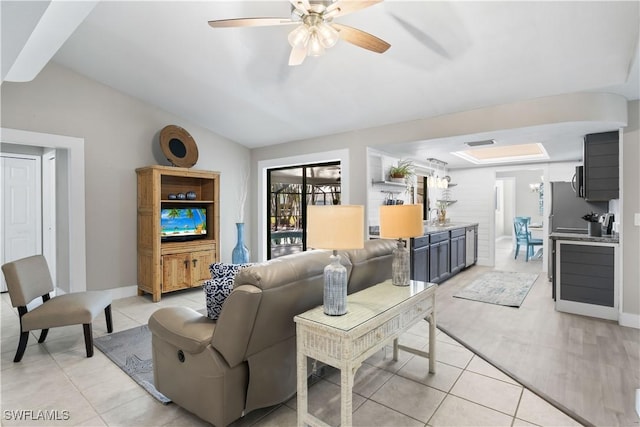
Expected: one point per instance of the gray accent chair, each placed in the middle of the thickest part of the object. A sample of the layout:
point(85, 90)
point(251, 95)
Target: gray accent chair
point(29, 278)
point(246, 359)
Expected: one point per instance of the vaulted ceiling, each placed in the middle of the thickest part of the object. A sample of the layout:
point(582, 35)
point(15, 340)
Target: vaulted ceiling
point(445, 57)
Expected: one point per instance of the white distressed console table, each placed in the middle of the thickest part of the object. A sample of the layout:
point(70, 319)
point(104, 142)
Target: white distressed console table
point(374, 316)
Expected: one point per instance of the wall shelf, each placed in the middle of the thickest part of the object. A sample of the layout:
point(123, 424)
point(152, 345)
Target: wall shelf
point(392, 183)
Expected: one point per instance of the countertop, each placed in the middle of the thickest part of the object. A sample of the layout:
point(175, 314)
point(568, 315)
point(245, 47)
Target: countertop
point(430, 229)
point(605, 238)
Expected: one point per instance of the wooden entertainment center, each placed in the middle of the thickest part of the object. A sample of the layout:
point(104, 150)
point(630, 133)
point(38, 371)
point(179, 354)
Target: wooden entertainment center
point(166, 266)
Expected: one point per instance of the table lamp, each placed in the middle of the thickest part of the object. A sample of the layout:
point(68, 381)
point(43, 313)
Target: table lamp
point(398, 222)
point(335, 227)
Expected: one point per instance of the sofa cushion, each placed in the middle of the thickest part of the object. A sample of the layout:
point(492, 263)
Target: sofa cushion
point(289, 269)
point(220, 286)
point(370, 265)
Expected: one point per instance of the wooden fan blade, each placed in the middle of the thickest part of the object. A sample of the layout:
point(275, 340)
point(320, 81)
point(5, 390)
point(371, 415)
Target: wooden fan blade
point(297, 55)
point(251, 22)
point(361, 39)
point(344, 7)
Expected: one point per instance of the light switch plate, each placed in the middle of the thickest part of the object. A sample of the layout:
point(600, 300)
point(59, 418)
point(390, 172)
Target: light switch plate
point(636, 219)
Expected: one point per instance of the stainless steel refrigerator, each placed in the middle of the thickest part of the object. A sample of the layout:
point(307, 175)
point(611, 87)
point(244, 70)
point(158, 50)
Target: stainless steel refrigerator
point(566, 213)
point(566, 209)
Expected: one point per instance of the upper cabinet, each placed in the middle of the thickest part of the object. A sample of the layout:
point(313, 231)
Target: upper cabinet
point(601, 166)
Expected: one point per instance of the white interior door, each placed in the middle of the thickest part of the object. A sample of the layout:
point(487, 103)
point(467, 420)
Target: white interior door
point(21, 207)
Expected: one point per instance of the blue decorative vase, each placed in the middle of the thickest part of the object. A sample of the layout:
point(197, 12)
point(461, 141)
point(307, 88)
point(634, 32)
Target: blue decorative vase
point(240, 254)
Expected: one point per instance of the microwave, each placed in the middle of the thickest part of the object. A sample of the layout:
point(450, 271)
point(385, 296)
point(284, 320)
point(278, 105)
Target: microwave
point(577, 182)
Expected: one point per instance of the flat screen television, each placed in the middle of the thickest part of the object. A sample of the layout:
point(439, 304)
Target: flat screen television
point(182, 224)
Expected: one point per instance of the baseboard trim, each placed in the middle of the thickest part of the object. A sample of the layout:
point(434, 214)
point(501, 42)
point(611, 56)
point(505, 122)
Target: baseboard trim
point(630, 320)
point(123, 292)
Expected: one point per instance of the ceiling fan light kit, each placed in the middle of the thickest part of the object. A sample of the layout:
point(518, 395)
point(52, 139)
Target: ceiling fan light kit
point(315, 32)
point(315, 48)
point(327, 34)
point(299, 37)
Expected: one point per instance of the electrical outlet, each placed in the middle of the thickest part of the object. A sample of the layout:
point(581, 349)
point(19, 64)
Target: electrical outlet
point(636, 220)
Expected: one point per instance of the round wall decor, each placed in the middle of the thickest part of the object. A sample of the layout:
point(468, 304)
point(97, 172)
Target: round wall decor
point(178, 146)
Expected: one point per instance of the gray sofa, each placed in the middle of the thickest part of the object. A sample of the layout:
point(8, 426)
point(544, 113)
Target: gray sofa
point(220, 370)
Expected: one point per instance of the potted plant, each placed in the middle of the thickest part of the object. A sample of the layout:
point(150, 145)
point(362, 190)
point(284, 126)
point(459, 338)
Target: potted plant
point(403, 171)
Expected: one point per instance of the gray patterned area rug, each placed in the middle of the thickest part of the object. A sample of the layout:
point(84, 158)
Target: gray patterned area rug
point(499, 287)
point(131, 351)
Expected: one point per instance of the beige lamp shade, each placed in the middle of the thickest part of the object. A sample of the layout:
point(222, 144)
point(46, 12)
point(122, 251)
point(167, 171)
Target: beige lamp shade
point(335, 227)
point(400, 221)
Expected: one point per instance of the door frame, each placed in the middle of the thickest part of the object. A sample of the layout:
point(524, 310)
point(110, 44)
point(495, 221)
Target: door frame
point(303, 199)
point(341, 156)
point(49, 214)
point(75, 222)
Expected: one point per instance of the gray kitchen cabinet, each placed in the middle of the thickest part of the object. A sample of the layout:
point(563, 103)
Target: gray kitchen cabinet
point(420, 258)
point(439, 257)
point(601, 166)
point(458, 247)
point(587, 274)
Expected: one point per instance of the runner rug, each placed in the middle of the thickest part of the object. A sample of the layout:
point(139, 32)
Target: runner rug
point(499, 287)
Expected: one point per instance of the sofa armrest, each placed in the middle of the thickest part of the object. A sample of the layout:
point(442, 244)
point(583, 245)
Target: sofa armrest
point(183, 327)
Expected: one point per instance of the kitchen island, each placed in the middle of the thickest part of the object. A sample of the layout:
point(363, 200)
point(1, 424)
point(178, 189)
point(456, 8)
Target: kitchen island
point(443, 251)
point(585, 274)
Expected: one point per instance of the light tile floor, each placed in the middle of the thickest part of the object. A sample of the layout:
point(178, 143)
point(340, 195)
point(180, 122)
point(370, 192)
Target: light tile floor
point(56, 376)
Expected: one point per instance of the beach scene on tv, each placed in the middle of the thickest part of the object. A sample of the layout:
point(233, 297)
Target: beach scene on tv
point(183, 222)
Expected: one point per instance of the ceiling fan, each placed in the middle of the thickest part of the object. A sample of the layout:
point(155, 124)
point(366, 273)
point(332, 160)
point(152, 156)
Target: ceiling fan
point(315, 29)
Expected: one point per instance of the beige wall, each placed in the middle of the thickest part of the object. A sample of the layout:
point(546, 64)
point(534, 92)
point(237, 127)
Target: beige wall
point(631, 207)
point(120, 134)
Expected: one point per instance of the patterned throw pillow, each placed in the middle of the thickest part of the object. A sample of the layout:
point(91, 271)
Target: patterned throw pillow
point(220, 286)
